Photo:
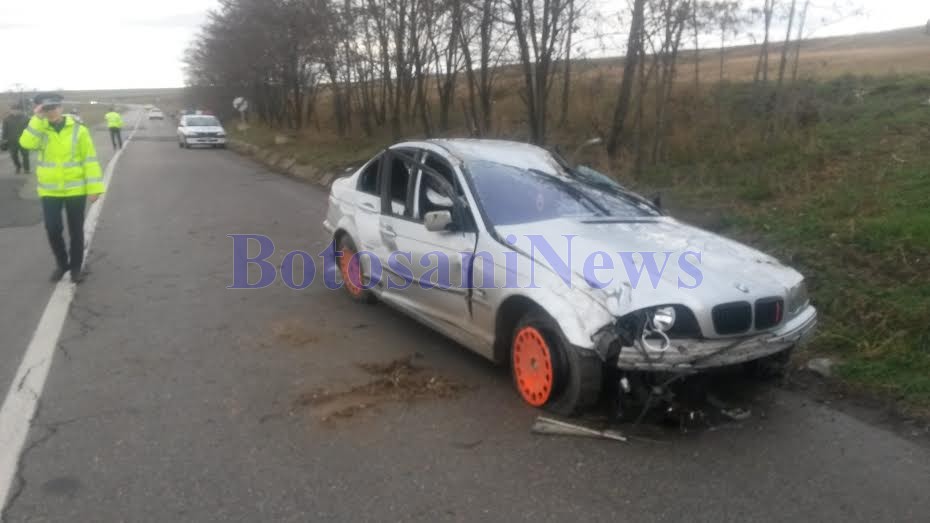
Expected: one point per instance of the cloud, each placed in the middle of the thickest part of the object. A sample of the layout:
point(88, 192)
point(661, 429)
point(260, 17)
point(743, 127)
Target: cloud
point(182, 20)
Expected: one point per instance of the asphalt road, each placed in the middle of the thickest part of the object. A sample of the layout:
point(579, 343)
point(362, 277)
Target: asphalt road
point(173, 398)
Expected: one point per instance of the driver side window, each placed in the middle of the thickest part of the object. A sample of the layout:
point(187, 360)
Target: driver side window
point(432, 194)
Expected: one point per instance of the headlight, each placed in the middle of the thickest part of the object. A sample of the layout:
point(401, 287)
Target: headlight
point(663, 319)
point(797, 297)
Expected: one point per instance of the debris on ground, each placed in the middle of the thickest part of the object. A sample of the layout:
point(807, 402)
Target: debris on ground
point(821, 366)
point(395, 381)
point(554, 427)
point(293, 333)
point(728, 411)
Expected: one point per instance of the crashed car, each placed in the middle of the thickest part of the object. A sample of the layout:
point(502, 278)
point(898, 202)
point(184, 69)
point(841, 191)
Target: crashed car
point(557, 271)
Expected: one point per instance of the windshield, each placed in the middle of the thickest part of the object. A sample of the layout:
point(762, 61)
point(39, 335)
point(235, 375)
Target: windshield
point(511, 195)
point(202, 121)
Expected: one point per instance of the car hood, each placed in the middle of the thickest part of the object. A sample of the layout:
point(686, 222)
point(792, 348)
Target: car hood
point(729, 271)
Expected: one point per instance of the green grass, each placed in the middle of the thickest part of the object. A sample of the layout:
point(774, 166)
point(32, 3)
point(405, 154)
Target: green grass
point(847, 202)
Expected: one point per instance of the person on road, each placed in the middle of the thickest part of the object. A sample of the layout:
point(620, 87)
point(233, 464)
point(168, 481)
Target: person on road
point(115, 124)
point(69, 177)
point(13, 126)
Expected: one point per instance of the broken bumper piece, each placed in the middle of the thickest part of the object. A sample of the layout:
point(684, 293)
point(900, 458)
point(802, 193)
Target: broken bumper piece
point(697, 354)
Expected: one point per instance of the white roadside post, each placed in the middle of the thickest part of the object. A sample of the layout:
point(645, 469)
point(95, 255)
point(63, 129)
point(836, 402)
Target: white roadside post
point(242, 105)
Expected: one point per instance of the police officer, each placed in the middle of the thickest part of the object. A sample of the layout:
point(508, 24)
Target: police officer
point(115, 124)
point(68, 176)
point(13, 126)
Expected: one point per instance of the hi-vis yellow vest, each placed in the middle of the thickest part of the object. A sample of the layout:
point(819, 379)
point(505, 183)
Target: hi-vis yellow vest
point(114, 120)
point(67, 159)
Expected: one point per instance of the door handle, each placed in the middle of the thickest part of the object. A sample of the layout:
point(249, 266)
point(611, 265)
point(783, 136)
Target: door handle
point(369, 206)
point(388, 232)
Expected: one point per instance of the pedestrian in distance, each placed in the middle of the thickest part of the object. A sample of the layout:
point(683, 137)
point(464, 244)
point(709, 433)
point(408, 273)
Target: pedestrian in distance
point(68, 175)
point(13, 126)
point(115, 125)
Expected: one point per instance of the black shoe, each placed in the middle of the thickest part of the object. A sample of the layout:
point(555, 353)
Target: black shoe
point(76, 276)
point(57, 274)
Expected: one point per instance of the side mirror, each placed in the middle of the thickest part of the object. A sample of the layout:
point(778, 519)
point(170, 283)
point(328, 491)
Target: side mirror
point(437, 221)
point(657, 200)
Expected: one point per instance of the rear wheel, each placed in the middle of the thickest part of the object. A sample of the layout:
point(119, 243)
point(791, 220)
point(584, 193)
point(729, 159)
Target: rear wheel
point(350, 269)
point(550, 373)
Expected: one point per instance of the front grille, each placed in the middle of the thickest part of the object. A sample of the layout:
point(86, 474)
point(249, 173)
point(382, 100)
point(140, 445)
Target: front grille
point(769, 312)
point(207, 135)
point(732, 318)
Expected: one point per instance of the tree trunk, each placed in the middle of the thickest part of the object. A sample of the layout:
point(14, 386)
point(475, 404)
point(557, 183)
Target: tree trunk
point(697, 48)
point(471, 116)
point(797, 44)
point(567, 73)
point(723, 36)
point(633, 55)
point(784, 48)
point(762, 64)
point(529, 83)
point(677, 26)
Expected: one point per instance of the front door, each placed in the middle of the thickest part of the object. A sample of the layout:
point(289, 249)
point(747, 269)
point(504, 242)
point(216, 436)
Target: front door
point(424, 269)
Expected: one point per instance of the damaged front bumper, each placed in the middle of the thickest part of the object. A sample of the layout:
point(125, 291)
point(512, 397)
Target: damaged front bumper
point(698, 354)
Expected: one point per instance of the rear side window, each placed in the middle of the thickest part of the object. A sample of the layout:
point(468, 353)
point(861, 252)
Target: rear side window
point(368, 180)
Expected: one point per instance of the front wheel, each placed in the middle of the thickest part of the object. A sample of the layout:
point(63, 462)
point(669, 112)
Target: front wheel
point(549, 372)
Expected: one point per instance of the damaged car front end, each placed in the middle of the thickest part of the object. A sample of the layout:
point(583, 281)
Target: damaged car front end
point(669, 338)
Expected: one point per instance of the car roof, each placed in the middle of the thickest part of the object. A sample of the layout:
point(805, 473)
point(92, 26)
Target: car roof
point(517, 154)
point(193, 116)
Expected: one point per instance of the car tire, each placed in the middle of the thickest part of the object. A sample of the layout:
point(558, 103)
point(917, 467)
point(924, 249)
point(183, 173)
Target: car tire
point(352, 277)
point(550, 373)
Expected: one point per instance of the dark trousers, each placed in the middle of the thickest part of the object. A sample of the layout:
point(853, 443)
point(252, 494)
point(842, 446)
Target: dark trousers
point(116, 136)
point(16, 152)
point(74, 210)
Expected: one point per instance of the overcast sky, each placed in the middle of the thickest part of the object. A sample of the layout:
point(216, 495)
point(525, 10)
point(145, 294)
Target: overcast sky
point(113, 44)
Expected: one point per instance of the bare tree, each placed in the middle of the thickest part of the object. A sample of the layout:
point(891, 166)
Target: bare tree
point(762, 64)
point(784, 48)
point(567, 63)
point(634, 51)
point(797, 43)
point(727, 14)
point(538, 25)
point(671, 15)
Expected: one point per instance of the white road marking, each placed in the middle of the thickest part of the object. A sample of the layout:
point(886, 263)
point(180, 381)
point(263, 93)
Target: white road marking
point(19, 407)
